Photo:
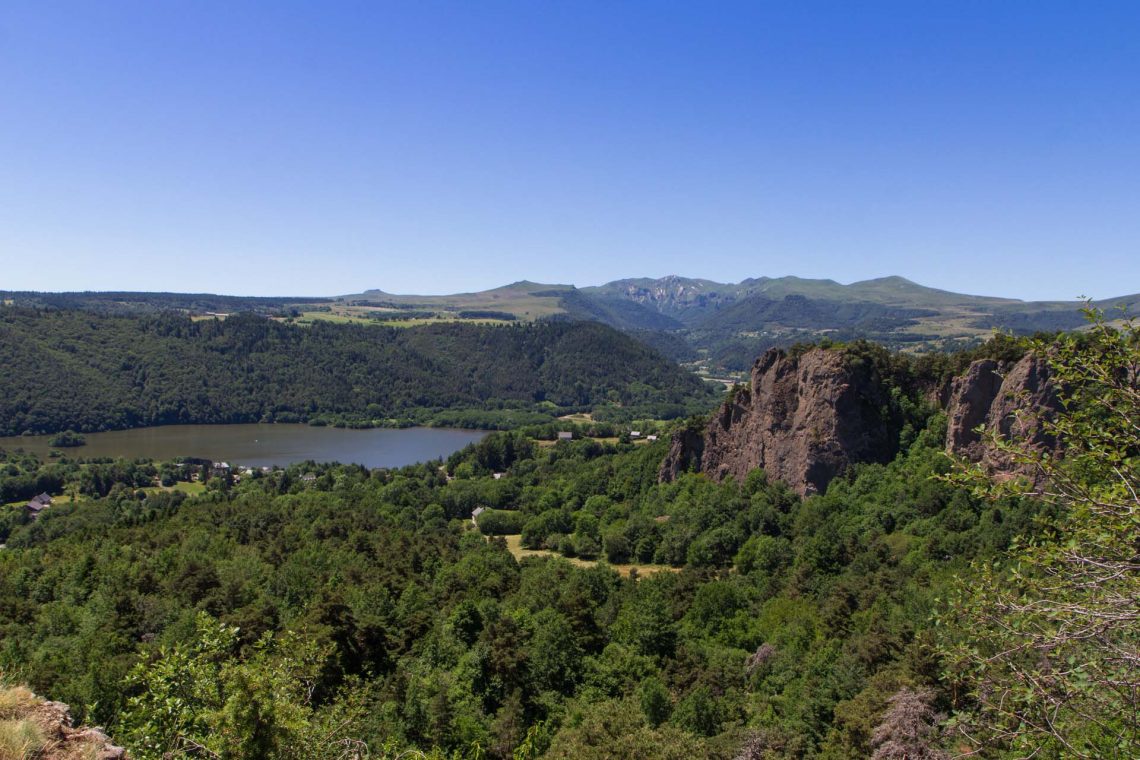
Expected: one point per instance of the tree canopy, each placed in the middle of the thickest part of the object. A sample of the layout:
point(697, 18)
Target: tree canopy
point(1046, 642)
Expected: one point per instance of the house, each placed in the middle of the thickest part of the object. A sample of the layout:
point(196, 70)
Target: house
point(565, 435)
point(498, 475)
point(635, 434)
point(38, 504)
point(651, 438)
point(220, 469)
point(475, 515)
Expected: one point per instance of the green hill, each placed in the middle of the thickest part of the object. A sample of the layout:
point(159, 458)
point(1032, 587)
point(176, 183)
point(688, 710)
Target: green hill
point(77, 370)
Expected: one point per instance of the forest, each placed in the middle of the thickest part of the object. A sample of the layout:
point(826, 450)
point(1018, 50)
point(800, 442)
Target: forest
point(83, 371)
point(421, 633)
point(324, 610)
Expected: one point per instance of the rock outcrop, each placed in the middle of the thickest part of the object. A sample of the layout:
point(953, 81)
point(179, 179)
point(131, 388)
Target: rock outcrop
point(802, 419)
point(685, 451)
point(50, 725)
point(806, 419)
point(1011, 398)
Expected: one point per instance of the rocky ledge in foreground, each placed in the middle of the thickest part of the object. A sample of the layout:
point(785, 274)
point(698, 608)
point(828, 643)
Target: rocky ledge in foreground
point(44, 729)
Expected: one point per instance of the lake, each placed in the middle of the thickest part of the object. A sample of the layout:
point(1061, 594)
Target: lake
point(264, 445)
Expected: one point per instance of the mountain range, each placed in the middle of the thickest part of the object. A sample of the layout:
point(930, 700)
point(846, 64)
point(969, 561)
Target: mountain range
point(724, 326)
point(718, 327)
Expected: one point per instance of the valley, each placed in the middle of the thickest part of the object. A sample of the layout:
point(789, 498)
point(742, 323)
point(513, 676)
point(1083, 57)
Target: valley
point(638, 563)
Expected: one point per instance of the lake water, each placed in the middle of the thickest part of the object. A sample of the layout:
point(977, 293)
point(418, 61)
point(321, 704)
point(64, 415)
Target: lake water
point(259, 445)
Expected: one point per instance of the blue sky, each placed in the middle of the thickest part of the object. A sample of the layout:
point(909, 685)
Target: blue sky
point(433, 147)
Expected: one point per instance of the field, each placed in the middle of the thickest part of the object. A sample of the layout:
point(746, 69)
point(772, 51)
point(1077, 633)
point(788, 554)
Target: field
point(514, 545)
point(519, 299)
point(373, 315)
point(190, 489)
point(440, 320)
point(340, 318)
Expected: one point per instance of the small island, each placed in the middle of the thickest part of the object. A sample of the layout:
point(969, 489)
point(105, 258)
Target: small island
point(68, 439)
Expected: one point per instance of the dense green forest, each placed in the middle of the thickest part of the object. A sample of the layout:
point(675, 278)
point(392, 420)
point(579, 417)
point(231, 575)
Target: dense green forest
point(89, 372)
point(789, 618)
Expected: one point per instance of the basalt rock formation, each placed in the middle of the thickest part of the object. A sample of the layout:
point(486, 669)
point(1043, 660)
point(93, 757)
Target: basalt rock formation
point(806, 419)
point(1011, 398)
point(802, 419)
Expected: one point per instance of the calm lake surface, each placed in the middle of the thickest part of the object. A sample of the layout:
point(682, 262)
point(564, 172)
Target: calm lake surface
point(258, 445)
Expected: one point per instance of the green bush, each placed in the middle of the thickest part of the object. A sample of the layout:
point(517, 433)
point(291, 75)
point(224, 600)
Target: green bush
point(500, 522)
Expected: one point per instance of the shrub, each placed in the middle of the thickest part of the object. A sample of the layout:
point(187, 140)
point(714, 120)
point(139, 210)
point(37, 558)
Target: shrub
point(500, 522)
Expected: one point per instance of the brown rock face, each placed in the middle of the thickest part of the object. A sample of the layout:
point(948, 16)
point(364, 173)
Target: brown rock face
point(803, 420)
point(1012, 398)
point(685, 452)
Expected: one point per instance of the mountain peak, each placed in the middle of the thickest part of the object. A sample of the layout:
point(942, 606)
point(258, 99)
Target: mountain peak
point(892, 280)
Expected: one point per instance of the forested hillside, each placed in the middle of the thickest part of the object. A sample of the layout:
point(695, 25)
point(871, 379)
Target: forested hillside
point(721, 326)
point(84, 371)
point(378, 615)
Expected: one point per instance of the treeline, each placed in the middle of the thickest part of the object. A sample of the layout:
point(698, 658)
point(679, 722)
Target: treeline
point(88, 372)
point(325, 606)
point(128, 302)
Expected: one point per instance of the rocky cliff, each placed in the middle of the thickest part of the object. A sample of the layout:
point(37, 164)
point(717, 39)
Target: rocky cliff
point(803, 419)
point(1013, 398)
point(806, 419)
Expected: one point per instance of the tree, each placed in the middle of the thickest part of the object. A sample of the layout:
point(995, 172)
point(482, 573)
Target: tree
point(201, 700)
point(699, 712)
point(655, 702)
point(907, 730)
point(644, 621)
point(1047, 646)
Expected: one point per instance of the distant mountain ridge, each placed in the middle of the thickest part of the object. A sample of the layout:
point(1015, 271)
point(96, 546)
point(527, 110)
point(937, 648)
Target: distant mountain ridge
point(729, 324)
point(681, 295)
point(720, 327)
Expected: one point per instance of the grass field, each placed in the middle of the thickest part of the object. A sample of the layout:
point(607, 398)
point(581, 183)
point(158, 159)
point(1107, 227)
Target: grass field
point(514, 544)
point(363, 315)
point(579, 417)
point(518, 298)
point(309, 317)
point(636, 441)
point(440, 321)
point(190, 489)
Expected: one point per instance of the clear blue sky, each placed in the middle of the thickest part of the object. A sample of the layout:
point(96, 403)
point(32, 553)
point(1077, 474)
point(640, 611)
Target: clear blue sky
point(425, 147)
